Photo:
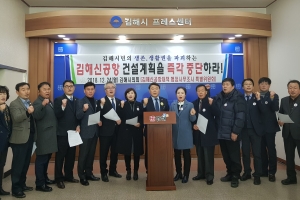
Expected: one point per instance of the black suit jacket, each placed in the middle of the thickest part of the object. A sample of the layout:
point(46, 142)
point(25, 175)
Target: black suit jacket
point(66, 118)
point(210, 138)
point(269, 118)
point(255, 110)
point(109, 127)
point(5, 131)
point(294, 113)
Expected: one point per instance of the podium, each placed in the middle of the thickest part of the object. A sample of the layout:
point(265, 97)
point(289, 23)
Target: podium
point(160, 150)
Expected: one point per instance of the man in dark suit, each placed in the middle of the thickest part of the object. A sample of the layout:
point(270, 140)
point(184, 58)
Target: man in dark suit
point(270, 102)
point(252, 132)
point(65, 111)
point(290, 105)
point(89, 134)
point(205, 141)
point(46, 142)
point(22, 138)
point(109, 131)
point(153, 103)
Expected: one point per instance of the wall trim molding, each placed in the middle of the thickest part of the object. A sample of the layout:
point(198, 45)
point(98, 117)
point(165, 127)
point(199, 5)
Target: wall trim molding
point(297, 167)
point(12, 68)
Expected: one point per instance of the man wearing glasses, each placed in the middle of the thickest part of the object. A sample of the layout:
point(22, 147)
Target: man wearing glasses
point(65, 111)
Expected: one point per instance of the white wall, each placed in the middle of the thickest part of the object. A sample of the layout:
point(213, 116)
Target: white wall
point(284, 52)
point(13, 48)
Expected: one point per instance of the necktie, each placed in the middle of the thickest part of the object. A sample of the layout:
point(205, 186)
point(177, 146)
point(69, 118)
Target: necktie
point(113, 103)
point(200, 105)
point(71, 98)
point(156, 104)
point(247, 97)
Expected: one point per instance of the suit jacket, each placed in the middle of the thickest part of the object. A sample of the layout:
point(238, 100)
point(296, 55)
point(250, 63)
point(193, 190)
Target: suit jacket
point(182, 132)
point(210, 138)
point(269, 118)
point(294, 113)
point(66, 118)
point(255, 110)
point(46, 125)
point(109, 127)
point(86, 131)
point(5, 131)
point(21, 122)
point(129, 134)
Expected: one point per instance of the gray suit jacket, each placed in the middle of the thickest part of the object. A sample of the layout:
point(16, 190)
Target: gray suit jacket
point(294, 114)
point(86, 131)
point(21, 123)
point(46, 124)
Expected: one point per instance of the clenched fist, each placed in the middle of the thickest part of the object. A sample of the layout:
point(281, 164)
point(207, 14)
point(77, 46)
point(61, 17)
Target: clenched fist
point(210, 100)
point(145, 102)
point(272, 94)
point(193, 112)
point(102, 100)
point(85, 107)
point(207, 86)
point(64, 102)
point(45, 102)
point(2, 107)
point(257, 95)
point(30, 109)
point(122, 104)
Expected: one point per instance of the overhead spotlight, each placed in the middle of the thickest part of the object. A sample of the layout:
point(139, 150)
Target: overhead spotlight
point(122, 37)
point(231, 38)
point(178, 37)
point(238, 35)
point(61, 36)
point(66, 38)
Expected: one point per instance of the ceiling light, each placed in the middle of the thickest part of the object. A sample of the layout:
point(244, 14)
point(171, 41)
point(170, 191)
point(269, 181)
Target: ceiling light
point(238, 35)
point(178, 37)
point(231, 38)
point(122, 37)
point(66, 38)
point(61, 36)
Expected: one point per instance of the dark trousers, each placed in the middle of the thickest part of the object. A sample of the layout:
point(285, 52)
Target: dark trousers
point(106, 143)
point(231, 156)
point(146, 153)
point(64, 158)
point(3, 155)
point(86, 157)
point(41, 167)
point(250, 138)
point(268, 154)
point(205, 161)
point(136, 161)
point(20, 164)
point(289, 146)
point(186, 161)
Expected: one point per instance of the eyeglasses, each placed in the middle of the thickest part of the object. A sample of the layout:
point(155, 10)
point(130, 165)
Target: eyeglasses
point(110, 88)
point(69, 86)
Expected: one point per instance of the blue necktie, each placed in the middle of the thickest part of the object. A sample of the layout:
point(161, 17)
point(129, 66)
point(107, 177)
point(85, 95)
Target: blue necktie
point(248, 97)
point(156, 104)
point(113, 103)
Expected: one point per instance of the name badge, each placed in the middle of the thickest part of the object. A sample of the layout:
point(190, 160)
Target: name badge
point(225, 104)
point(295, 105)
point(254, 103)
point(266, 102)
point(204, 110)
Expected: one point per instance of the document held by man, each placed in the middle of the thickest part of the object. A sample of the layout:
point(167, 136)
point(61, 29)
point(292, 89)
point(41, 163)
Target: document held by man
point(202, 123)
point(132, 121)
point(112, 115)
point(284, 118)
point(74, 138)
point(94, 118)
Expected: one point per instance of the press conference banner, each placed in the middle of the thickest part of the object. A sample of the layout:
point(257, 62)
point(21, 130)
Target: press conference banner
point(147, 68)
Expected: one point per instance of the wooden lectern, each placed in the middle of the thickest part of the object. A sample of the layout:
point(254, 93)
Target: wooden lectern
point(160, 150)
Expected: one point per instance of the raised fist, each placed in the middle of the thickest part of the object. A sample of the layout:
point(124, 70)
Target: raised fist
point(64, 102)
point(257, 95)
point(85, 107)
point(272, 94)
point(122, 104)
point(210, 101)
point(207, 86)
point(2, 107)
point(45, 102)
point(102, 100)
point(145, 101)
point(193, 112)
point(30, 109)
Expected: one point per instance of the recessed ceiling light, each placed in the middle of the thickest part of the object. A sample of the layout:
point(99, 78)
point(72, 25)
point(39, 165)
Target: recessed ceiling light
point(61, 36)
point(66, 38)
point(122, 37)
point(231, 38)
point(238, 35)
point(178, 37)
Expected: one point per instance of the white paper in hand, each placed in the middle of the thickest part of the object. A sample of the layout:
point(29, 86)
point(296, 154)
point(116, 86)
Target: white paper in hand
point(74, 138)
point(202, 123)
point(132, 121)
point(94, 118)
point(33, 148)
point(285, 118)
point(112, 115)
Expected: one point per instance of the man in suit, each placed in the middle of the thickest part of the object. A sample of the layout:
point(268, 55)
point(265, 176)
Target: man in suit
point(290, 105)
point(5, 132)
point(252, 132)
point(89, 134)
point(270, 102)
point(109, 131)
point(153, 103)
point(64, 108)
point(22, 138)
point(46, 142)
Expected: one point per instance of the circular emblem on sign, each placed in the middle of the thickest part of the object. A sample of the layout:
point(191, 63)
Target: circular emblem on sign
point(237, 49)
point(116, 21)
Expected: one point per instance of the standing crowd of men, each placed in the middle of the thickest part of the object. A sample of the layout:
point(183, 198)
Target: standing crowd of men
point(233, 117)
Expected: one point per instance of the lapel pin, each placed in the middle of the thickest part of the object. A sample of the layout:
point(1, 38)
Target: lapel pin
point(295, 104)
point(204, 110)
point(137, 108)
point(225, 104)
point(266, 102)
point(254, 103)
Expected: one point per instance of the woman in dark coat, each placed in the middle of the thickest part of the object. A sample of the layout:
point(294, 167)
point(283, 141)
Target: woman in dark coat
point(130, 137)
point(5, 132)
